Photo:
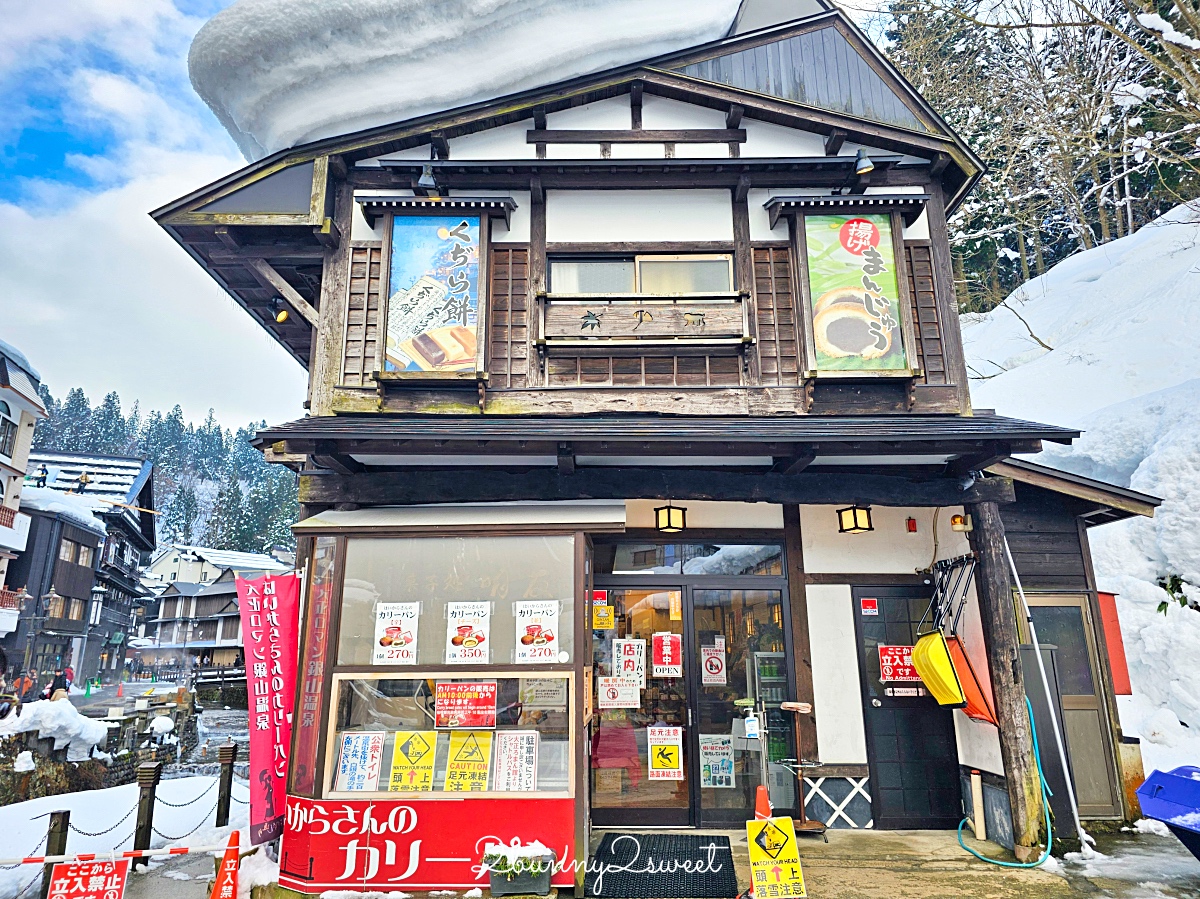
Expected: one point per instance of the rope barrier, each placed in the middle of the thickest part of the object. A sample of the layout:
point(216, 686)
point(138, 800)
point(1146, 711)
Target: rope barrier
point(100, 833)
point(41, 843)
point(203, 821)
point(158, 798)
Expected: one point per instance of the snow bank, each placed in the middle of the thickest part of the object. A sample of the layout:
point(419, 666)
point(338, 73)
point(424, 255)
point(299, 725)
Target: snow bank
point(282, 72)
point(58, 720)
point(79, 509)
point(1121, 320)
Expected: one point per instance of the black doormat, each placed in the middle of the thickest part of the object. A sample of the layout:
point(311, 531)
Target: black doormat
point(661, 866)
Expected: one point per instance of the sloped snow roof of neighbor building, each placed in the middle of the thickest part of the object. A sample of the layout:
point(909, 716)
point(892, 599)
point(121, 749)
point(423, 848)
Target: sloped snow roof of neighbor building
point(117, 485)
point(227, 558)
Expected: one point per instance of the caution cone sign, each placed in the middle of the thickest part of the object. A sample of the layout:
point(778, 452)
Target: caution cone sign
point(226, 886)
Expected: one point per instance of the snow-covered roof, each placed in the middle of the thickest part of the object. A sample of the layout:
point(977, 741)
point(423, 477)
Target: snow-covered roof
point(282, 72)
point(15, 355)
point(79, 510)
point(227, 558)
point(116, 478)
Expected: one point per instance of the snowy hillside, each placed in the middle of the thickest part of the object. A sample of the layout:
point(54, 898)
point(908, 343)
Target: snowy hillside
point(280, 72)
point(1122, 320)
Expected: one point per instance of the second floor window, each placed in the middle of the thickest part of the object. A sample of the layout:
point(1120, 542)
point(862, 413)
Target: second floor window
point(8, 431)
point(67, 550)
point(86, 556)
point(652, 275)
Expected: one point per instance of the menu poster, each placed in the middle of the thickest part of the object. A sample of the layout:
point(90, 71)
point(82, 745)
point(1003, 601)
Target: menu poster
point(629, 660)
point(468, 632)
point(360, 761)
point(395, 633)
point(667, 649)
point(537, 631)
point(464, 704)
point(516, 761)
point(716, 761)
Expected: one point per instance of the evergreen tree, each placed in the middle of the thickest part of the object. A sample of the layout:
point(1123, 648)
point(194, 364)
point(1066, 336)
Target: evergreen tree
point(74, 424)
point(230, 525)
point(179, 520)
point(108, 428)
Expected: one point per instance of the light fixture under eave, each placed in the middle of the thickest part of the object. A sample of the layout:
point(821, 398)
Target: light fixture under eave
point(280, 311)
point(426, 182)
point(862, 163)
point(854, 519)
point(670, 519)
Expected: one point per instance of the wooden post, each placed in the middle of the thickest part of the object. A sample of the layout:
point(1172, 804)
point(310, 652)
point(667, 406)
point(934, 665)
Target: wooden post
point(227, 755)
point(806, 725)
point(998, 615)
point(329, 334)
point(56, 844)
point(148, 775)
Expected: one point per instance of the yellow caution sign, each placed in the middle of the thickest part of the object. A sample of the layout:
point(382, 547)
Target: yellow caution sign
point(774, 859)
point(602, 618)
point(469, 762)
point(413, 753)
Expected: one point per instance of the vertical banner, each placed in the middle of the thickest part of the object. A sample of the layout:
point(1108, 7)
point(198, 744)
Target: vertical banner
point(855, 293)
point(269, 608)
point(312, 674)
point(433, 305)
point(537, 631)
point(395, 633)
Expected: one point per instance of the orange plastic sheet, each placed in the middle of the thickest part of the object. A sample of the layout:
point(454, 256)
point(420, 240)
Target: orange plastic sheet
point(977, 707)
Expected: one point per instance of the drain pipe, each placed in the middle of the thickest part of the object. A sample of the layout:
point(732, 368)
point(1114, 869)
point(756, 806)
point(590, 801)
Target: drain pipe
point(1084, 837)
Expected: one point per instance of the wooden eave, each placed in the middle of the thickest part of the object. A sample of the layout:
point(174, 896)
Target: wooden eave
point(1111, 503)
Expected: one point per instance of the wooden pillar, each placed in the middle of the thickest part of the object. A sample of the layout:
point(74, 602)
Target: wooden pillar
point(148, 775)
point(743, 265)
point(329, 336)
point(944, 296)
point(56, 844)
point(806, 725)
point(536, 281)
point(994, 588)
point(227, 754)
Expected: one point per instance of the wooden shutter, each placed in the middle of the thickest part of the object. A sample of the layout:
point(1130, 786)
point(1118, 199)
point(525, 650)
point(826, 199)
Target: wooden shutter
point(508, 332)
point(362, 317)
point(926, 325)
point(778, 333)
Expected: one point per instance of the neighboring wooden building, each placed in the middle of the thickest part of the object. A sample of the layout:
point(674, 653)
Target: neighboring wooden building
point(539, 327)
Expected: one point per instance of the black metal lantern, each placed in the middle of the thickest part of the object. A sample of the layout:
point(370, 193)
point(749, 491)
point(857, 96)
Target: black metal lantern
point(670, 519)
point(854, 519)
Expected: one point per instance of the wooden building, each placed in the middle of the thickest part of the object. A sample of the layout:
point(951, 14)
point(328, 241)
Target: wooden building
point(631, 397)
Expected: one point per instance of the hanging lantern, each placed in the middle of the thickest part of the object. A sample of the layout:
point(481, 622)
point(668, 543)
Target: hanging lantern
point(854, 519)
point(670, 519)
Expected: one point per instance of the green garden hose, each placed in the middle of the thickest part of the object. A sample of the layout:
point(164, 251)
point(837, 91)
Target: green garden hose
point(1046, 794)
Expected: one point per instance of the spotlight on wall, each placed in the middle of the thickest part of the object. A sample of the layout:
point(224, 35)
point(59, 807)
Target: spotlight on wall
point(854, 519)
point(426, 181)
point(280, 311)
point(670, 519)
point(862, 163)
point(961, 523)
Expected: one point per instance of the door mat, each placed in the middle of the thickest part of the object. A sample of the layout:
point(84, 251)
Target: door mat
point(661, 866)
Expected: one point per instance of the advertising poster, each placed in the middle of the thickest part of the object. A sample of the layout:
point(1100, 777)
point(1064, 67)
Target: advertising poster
point(413, 752)
point(269, 608)
point(895, 664)
point(629, 660)
point(516, 761)
point(712, 666)
point(618, 693)
point(667, 651)
point(775, 859)
point(395, 633)
point(468, 632)
point(543, 693)
point(89, 880)
point(360, 760)
point(433, 305)
point(464, 704)
point(469, 761)
point(665, 747)
point(537, 631)
point(854, 293)
point(716, 761)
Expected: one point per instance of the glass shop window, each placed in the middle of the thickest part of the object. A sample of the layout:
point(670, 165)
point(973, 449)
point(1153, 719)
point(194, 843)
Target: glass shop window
point(696, 559)
point(503, 736)
point(458, 601)
point(653, 275)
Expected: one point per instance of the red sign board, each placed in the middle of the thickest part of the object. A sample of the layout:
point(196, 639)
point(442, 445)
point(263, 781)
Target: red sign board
point(89, 880)
point(666, 655)
point(269, 608)
point(463, 705)
point(405, 845)
point(895, 664)
point(869, 606)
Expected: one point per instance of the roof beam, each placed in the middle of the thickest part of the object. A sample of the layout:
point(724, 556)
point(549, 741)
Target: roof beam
point(683, 136)
point(795, 463)
point(266, 275)
point(833, 142)
point(733, 116)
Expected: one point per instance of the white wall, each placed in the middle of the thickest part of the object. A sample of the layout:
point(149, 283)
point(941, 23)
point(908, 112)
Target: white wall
point(889, 549)
point(594, 216)
point(837, 690)
point(505, 142)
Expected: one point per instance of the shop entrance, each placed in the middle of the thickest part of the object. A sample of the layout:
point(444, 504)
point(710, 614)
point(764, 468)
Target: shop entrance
point(912, 754)
point(674, 753)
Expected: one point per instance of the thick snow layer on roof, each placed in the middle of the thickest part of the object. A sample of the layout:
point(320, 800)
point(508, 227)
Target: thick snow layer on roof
point(282, 72)
point(228, 558)
point(15, 355)
point(1121, 319)
point(58, 720)
point(78, 509)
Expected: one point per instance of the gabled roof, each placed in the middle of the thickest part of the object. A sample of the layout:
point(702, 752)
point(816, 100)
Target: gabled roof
point(1112, 503)
point(226, 558)
point(123, 484)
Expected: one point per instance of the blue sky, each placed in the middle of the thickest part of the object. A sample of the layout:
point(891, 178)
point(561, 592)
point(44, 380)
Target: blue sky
point(99, 125)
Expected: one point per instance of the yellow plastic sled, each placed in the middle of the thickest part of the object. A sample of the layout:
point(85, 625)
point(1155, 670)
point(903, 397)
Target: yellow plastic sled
point(931, 658)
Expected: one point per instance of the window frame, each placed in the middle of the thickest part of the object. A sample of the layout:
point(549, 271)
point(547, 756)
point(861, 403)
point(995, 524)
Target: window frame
point(637, 259)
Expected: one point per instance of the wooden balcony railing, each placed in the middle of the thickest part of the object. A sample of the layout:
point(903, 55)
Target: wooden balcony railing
point(8, 517)
point(10, 599)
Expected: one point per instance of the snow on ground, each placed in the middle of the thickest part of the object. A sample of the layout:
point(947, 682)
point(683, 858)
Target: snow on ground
point(1121, 319)
point(114, 812)
point(281, 72)
point(59, 720)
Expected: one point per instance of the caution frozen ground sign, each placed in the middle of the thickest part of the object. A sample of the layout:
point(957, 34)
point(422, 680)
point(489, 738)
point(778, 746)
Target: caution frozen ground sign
point(774, 859)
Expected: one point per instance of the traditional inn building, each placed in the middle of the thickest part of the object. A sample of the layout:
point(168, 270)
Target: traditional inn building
point(632, 397)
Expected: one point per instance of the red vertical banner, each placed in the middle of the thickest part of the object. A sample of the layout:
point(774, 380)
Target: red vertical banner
point(269, 608)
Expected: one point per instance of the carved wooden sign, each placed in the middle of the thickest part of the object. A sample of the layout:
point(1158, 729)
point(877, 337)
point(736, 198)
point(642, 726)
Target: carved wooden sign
point(630, 319)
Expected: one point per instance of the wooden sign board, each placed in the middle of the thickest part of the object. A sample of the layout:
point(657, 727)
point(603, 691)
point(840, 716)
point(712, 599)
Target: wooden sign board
point(631, 320)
